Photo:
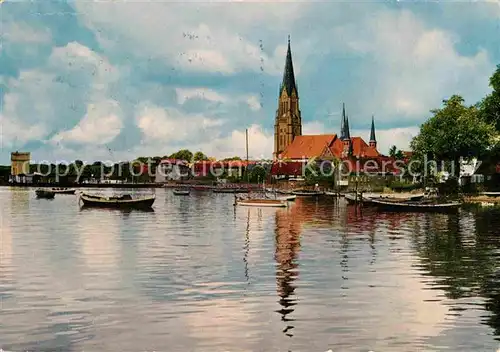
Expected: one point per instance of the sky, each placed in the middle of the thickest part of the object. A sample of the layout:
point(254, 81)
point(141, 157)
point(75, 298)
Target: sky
point(115, 80)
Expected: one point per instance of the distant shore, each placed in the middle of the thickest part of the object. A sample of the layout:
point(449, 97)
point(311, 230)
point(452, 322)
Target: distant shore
point(85, 185)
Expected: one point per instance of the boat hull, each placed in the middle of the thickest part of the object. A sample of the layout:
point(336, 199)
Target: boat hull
point(416, 207)
point(230, 190)
point(280, 204)
point(63, 191)
point(115, 203)
point(181, 193)
point(45, 194)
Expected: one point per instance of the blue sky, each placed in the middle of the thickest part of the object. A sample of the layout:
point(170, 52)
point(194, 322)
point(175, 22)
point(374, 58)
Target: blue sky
point(115, 80)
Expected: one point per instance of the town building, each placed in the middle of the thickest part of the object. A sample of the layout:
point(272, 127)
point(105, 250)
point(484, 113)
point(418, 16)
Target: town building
point(20, 167)
point(293, 149)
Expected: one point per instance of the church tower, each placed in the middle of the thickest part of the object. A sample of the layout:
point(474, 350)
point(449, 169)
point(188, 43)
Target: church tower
point(288, 121)
point(373, 140)
point(345, 134)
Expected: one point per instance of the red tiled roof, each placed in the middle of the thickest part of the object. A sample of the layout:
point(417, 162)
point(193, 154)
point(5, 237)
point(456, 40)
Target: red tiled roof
point(306, 147)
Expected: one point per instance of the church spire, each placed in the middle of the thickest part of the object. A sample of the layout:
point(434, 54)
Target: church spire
point(347, 133)
point(288, 75)
point(373, 140)
point(342, 123)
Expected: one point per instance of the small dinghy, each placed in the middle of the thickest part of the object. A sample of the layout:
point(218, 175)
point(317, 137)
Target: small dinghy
point(63, 190)
point(181, 192)
point(306, 193)
point(276, 203)
point(415, 206)
point(43, 193)
point(125, 201)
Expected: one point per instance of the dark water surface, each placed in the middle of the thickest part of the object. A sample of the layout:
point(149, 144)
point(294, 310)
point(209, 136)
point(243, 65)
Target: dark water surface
point(199, 275)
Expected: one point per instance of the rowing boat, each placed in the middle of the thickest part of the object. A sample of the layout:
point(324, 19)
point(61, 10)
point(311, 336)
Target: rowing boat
point(261, 203)
point(43, 193)
point(415, 205)
point(125, 201)
point(181, 192)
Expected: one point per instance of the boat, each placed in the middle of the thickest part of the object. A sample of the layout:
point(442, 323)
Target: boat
point(329, 193)
point(259, 202)
point(63, 190)
point(43, 193)
point(274, 195)
point(431, 205)
point(360, 198)
point(306, 193)
point(491, 194)
point(181, 192)
point(124, 201)
point(395, 196)
point(230, 190)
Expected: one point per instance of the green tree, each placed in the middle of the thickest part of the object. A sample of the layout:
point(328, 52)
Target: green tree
point(199, 156)
point(396, 153)
point(183, 154)
point(452, 132)
point(232, 158)
point(489, 107)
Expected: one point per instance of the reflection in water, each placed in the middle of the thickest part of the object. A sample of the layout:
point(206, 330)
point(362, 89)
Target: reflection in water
point(287, 239)
point(94, 279)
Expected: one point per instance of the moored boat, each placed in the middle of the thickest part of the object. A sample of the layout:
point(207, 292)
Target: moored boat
point(43, 193)
point(281, 196)
point(261, 202)
point(230, 190)
point(124, 201)
point(306, 193)
point(63, 190)
point(181, 192)
point(430, 206)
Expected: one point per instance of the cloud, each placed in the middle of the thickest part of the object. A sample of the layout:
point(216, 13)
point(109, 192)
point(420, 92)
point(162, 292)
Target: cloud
point(172, 126)
point(185, 94)
point(100, 125)
point(23, 33)
point(412, 66)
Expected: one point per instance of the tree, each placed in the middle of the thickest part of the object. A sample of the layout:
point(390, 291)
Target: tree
point(395, 153)
point(199, 156)
point(183, 154)
point(489, 107)
point(452, 132)
point(232, 158)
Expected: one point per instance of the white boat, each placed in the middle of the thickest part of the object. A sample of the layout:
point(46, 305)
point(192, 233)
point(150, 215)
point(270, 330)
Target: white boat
point(181, 192)
point(281, 197)
point(329, 193)
point(275, 203)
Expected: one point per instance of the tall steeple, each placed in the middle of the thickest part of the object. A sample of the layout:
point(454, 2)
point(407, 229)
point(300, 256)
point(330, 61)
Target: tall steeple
point(342, 123)
point(373, 140)
point(288, 121)
point(288, 75)
point(347, 133)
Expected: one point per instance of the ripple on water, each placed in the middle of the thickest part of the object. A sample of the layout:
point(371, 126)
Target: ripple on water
point(200, 274)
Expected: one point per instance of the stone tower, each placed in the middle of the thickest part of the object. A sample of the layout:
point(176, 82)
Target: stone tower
point(288, 121)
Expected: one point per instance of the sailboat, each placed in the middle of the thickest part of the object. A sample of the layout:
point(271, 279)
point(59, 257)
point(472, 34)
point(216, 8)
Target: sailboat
point(258, 201)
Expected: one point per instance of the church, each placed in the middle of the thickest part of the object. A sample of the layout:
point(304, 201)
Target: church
point(291, 145)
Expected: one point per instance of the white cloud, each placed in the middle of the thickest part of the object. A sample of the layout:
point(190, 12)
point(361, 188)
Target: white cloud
point(100, 125)
point(185, 94)
point(400, 137)
point(22, 33)
point(413, 66)
point(201, 37)
point(171, 125)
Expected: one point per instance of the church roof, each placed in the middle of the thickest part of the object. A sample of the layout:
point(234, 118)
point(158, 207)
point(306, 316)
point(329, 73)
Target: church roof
point(311, 146)
point(288, 75)
point(308, 146)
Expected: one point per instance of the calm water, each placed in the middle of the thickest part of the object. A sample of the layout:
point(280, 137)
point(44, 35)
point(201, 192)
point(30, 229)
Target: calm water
point(198, 274)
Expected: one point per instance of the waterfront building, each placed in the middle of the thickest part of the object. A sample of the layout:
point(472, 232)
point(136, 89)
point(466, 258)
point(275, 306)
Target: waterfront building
point(292, 149)
point(20, 167)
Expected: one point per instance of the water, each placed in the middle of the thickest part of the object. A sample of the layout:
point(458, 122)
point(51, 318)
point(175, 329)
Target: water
point(199, 274)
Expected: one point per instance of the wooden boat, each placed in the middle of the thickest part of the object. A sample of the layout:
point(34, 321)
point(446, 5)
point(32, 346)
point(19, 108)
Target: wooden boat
point(260, 202)
point(64, 190)
point(415, 205)
point(359, 199)
point(125, 201)
point(329, 193)
point(306, 193)
point(43, 193)
point(230, 190)
point(181, 192)
point(281, 197)
point(394, 196)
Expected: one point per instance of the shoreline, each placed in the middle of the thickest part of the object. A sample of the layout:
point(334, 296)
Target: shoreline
point(84, 185)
